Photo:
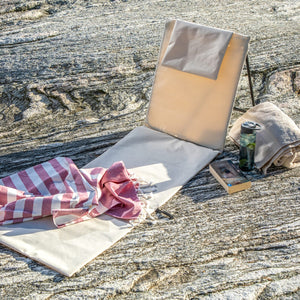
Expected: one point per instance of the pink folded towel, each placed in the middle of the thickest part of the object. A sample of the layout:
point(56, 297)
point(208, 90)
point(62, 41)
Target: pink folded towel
point(278, 141)
point(71, 195)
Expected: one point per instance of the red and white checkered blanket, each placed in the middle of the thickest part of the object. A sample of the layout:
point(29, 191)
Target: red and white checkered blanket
point(71, 195)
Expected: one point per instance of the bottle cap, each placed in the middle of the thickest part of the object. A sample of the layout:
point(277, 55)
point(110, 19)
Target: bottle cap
point(249, 127)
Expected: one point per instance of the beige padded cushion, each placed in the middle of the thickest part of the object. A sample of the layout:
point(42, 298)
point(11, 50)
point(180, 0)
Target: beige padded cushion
point(192, 107)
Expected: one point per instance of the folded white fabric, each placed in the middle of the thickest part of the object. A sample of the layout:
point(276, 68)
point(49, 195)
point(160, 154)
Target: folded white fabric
point(196, 49)
point(278, 140)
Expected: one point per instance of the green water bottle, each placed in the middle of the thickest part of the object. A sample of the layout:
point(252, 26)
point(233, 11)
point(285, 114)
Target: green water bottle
point(247, 145)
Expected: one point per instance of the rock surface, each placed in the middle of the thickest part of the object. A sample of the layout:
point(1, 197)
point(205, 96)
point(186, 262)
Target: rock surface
point(76, 76)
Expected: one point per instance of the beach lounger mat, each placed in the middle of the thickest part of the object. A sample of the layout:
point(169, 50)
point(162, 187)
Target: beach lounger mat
point(186, 128)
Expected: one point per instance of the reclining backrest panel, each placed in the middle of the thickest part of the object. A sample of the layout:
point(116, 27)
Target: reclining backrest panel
point(192, 107)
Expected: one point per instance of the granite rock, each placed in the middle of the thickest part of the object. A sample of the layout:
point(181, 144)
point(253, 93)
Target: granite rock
point(76, 76)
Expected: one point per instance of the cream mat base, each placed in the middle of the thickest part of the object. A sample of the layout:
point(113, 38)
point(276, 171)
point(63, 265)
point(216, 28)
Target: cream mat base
point(165, 161)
